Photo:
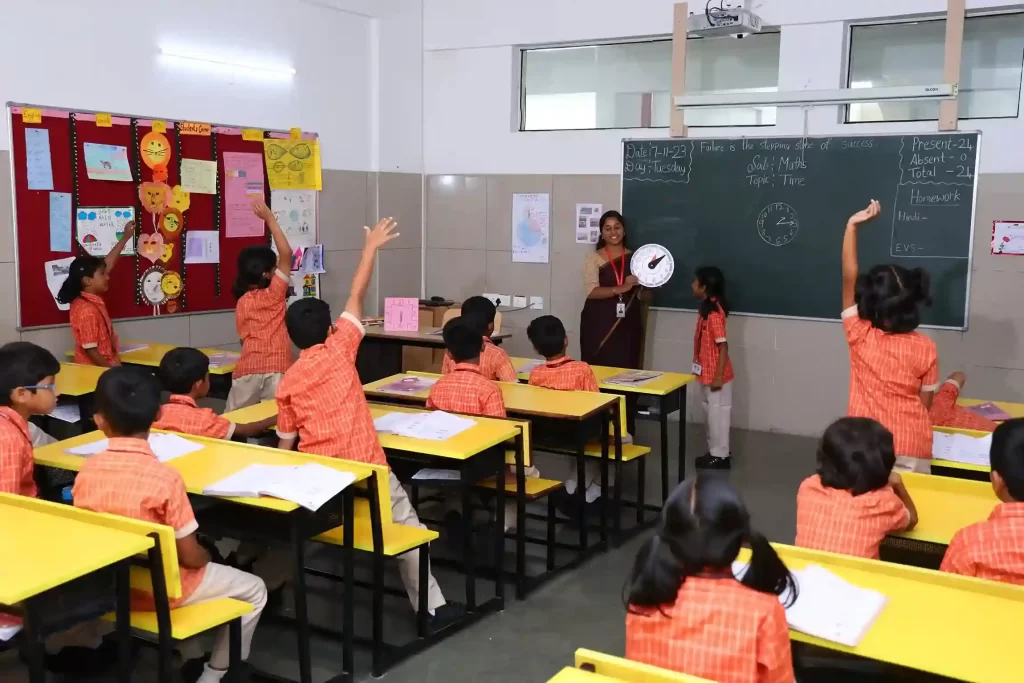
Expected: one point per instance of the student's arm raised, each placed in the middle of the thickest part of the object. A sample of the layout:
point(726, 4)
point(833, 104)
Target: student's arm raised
point(377, 237)
point(850, 265)
point(111, 258)
point(284, 250)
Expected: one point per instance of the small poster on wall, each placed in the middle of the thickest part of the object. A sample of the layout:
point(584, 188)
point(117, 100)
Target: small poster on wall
point(98, 228)
point(530, 227)
point(56, 273)
point(1008, 238)
point(588, 223)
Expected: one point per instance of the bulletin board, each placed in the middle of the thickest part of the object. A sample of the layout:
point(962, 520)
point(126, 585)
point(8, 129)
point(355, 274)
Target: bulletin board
point(155, 253)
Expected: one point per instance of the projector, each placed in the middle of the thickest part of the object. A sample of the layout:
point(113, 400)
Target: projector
point(723, 23)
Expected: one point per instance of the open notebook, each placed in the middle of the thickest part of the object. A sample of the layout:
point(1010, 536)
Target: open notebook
point(963, 448)
point(309, 485)
point(165, 447)
point(828, 606)
point(434, 426)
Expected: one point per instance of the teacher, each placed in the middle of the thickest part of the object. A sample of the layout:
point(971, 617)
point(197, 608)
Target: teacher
point(612, 322)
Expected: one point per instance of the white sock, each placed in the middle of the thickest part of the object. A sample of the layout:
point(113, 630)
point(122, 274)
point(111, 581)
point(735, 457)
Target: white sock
point(211, 675)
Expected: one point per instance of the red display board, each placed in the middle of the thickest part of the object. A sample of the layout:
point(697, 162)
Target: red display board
point(206, 287)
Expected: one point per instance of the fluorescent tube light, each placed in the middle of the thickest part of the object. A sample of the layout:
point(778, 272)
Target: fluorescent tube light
point(195, 58)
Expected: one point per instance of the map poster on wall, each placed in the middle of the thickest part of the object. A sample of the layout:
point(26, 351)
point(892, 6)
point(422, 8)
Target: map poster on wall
point(98, 228)
point(531, 228)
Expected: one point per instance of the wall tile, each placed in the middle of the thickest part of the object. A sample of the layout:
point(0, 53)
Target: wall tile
point(994, 384)
point(6, 210)
point(753, 389)
point(999, 199)
point(750, 331)
point(212, 329)
point(57, 340)
point(806, 335)
point(527, 279)
point(996, 334)
point(567, 295)
point(400, 196)
point(8, 303)
point(456, 273)
point(336, 283)
point(163, 329)
point(500, 189)
point(343, 209)
point(372, 198)
point(457, 212)
point(671, 325)
point(570, 190)
point(810, 391)
point(398, 272)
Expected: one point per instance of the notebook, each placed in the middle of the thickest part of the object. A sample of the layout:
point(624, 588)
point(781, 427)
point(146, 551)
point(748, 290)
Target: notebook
point(218, 360)
point(166, 447)
point(433, 426)
point(963, 448)
point(990, 411)
point(409, 385)
point(309, 485)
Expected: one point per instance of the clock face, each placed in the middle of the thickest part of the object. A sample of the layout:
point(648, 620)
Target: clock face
point(652, 264)
point(778, 224)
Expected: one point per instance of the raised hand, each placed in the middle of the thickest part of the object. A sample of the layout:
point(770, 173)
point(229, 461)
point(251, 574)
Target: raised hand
point(381, 234)
point(870, 213)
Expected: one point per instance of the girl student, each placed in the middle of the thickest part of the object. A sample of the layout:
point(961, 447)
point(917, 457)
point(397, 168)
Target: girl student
point(894, 371)
point(261, 288)
point(712, 366)
point(88, 280)
point(855, 499)
point(687, 612)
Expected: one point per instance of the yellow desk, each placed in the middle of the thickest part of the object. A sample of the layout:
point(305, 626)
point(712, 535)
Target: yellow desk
point(946, 505)
point(961, 469)
point(42, 552)
point(75, 379)
point(573, 675)
point(950, 625)
point(154, 353)
point(1012, 409)
point(669, 395)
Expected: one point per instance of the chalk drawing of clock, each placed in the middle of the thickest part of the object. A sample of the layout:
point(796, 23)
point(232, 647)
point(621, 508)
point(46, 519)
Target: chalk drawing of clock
point(778, 224)
point(652, 264)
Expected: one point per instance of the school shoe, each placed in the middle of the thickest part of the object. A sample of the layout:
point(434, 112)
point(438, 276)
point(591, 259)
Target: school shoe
point(710, 462)
point(445, 615)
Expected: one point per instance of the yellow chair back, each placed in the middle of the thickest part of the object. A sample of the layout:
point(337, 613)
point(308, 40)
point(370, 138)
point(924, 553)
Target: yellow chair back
point(625, 670)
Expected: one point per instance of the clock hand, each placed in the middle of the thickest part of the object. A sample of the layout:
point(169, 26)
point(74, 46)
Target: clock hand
point(655, 261)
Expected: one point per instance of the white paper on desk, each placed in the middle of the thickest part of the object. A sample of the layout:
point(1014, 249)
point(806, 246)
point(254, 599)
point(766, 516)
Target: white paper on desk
point(633, 377)
point(166, 447)
point(309, 485)
point(128, 348)
point(828, 606)
point(431, 474)
point(226, 358)
point(962, 448)
point(390, 422)
point(527, 367)
point(67, 412)
point(435, 426)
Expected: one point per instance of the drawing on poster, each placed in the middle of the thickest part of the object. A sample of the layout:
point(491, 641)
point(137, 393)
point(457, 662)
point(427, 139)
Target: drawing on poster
point(1008, 238)
point(588, 222)
point(56, 273)
point(530, 227)
point(107, 162)
point(98, 228)
point(303, 287)
point(293, 164)
point(295, 211)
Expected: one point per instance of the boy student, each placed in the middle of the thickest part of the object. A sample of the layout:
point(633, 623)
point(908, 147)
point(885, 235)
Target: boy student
point(321, 405)
point(464, 389)
point(185, 372)
point(994, 549)
point(127, 479)
point(27, 388)
point(478, 312)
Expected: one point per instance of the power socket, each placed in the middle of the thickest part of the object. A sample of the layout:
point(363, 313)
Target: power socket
point(536, 303)
point(518, 301)
point(494, 298)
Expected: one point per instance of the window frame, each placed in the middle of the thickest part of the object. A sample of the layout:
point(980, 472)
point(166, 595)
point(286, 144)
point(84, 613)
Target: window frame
point(845, 116)
point(519, 71)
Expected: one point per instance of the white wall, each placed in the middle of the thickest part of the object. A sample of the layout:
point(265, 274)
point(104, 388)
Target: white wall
point(471, 60)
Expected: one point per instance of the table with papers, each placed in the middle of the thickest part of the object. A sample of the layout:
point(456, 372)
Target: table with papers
point(961, 453)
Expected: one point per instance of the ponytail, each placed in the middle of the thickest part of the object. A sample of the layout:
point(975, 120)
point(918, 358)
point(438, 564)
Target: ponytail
point(253, 265)
point(767, 572)
point(713, 281)
point(657, 574)
point(81, 267)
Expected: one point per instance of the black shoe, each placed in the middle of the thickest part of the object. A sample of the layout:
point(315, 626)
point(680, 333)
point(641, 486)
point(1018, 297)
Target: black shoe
point(710, 462)
point(83, 661)
point(192, 669)
point(445, 615)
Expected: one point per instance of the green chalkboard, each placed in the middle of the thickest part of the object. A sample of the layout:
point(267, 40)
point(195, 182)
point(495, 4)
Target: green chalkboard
point(771, 212)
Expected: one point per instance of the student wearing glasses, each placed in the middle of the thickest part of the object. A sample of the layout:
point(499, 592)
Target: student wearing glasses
point(27, 387)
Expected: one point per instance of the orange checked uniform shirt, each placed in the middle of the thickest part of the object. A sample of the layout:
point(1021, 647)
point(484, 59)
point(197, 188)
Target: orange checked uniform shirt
point(706, 338)
point(494, 364)
point(321, 400)
point(466, 391)
point(16, 462)
point(90, 323)
point(888, 372)
point(993, 549)
point(717, 629)
point(836, 521)
point(181, 414)
point(946, 413)
point(259, 320)
point(564, 374)
point(128, 480)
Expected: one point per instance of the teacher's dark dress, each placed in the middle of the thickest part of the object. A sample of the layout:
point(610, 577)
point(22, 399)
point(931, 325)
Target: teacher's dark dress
point(622, 350)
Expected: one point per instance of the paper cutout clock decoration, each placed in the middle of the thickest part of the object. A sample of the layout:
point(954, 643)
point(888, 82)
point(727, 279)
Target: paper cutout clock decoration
point(653, 265)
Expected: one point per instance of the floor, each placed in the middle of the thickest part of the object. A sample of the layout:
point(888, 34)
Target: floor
point(531, 640)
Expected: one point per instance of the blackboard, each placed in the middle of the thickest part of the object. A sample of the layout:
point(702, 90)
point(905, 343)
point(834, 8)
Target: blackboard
point(771, 212)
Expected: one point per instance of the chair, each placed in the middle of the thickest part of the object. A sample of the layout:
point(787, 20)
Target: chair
point(626, 670)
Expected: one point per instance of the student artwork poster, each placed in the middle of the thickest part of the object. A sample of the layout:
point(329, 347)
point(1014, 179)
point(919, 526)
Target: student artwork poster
point(530, 227)
point(98, 228)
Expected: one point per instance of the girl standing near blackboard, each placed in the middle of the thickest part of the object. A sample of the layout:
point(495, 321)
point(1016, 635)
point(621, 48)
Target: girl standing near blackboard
point(712, 366)
point(894, 371)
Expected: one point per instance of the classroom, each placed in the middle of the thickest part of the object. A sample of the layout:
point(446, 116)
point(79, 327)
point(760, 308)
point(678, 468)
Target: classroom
point(343, 258)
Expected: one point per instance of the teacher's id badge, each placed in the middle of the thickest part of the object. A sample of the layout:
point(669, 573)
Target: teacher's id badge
point(696, 369)
point(620, 310)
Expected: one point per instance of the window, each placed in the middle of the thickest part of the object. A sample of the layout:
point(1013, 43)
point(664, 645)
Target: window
point(912, 54)
point(629, 85)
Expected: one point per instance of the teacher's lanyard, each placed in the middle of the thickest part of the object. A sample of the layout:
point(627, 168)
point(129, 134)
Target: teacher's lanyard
point(620, 277)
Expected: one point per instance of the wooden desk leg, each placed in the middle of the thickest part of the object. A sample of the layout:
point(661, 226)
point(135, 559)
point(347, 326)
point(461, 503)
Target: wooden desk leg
point(301, 613)
point(124, 625)
point(348, 555)
point(32, 648)
point(682, 437)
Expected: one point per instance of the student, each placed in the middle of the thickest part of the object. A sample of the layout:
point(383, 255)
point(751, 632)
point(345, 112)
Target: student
point(465, 389)
point(994, 549)
point(479, 313)
point(946, 413)
point(712, 365)
point(27, 387)
point(321, 405)
point(855, 499)
point(88, 280)
point(261, 288)
point(894, 371)
point(685, 610)
point(185, 372)
point(128, 480)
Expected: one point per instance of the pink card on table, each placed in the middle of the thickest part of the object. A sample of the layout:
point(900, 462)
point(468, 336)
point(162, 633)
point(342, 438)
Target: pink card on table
point(401, 315)
point(991, 411)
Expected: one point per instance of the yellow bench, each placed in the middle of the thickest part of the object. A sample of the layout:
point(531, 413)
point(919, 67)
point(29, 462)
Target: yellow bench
point(166, 624)
point(625, 670)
